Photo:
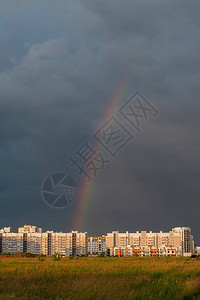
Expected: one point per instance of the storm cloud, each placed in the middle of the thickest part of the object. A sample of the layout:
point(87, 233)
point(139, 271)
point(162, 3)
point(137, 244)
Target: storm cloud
point(60, 65)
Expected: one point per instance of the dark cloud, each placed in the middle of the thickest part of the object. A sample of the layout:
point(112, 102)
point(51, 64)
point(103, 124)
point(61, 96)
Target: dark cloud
point(60, 65)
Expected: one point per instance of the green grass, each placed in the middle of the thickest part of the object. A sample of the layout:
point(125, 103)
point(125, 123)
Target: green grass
point(99, 278)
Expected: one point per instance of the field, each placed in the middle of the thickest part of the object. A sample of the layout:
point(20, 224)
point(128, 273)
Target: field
point(99, 278)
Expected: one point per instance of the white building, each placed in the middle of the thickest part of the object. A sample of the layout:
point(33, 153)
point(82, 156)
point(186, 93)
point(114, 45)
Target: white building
point(96, 245)
point(177, 242)
point(76, 244)
point(31, 239)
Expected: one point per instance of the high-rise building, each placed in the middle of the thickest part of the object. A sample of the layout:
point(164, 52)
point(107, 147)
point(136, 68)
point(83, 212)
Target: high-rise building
point(6, 230)
point(11, 242)
point(183, 237)
point(31, 239)
point(96, 245)
point(76, 244)
point(29, 229)
point(177, 242)
point(117, 239)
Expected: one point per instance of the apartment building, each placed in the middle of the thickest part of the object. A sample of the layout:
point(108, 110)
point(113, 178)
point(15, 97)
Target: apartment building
point(76, 244)
point(6, 230)
point(54, 242)
point(182, 236)
point(11, 242)
point(177, 242)
point(73, 243)
point(29, 229)
point(96, 245)
point(122, 251)
point(117, 239)
point(31, 239)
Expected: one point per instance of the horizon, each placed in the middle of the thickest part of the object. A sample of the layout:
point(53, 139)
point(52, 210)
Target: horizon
point(93, 235)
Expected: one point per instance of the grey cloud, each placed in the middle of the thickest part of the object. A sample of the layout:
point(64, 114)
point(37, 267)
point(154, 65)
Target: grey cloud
point(57, 78)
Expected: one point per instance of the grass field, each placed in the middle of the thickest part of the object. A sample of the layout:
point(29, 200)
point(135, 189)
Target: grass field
point(99, 278)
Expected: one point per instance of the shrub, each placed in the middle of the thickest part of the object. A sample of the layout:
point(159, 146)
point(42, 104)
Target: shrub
point(101, 255)
point(41, 257)
point(28, 254)
point(57, 256)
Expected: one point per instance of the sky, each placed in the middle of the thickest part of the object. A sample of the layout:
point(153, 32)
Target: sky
point(61, 65)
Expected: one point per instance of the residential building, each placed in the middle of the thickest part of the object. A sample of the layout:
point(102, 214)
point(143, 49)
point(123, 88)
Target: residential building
point(29, 238)
point(96, 245)
point(76, 244)
point(29, 229)
point(177, 242)
point(11, 242)
point(183, 238)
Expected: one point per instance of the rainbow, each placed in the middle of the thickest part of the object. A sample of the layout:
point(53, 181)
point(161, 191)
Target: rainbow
point(86, 188)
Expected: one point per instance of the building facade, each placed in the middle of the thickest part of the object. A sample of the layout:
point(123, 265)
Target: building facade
point(76, 244)
point(96, 245)
point(177, 242)
point(31, 239)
